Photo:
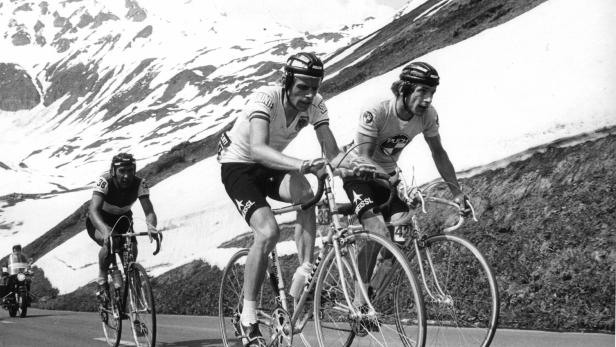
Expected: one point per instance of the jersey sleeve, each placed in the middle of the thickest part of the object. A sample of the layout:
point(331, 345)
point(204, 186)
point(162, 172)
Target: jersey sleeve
point(320, 114)
point(431, 125)
point(101, 185)
point(260, 106)
point(144, 189)
point(368, 123)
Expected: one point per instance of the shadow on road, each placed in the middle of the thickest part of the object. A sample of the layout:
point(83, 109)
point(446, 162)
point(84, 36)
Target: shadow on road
point(192, 343)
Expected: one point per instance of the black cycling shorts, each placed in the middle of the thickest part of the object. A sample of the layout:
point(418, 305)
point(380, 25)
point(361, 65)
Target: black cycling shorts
point(122, 227)
point(366, 195)
point(248, 185)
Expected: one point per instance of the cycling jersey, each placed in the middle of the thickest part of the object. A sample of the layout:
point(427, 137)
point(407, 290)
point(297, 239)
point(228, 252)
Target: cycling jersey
point(267, 104)
point(392, 134)
point(118, 201)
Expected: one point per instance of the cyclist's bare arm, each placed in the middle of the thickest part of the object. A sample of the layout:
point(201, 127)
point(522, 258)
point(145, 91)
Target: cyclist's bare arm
point(443, 164)
point(96, 205)
point(366, 145)
point(328, 144)
point(148, 209)
point(262, 153)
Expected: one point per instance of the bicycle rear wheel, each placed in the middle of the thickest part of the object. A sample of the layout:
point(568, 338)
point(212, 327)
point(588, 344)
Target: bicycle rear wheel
point(464, 311)
point(395, 322)
point(111, 320)
point(231, 299)
point(142, 312)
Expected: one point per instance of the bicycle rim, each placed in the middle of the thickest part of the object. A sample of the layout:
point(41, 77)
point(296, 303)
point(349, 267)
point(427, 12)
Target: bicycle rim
point(333, 317)
point(142, 312)
point(467, 313)
point(111, 321)
point(231, 299)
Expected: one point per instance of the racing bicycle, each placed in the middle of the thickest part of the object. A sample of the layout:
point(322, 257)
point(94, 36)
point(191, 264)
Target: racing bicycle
point(129, 285)
point(460, 290)
point(344, 310)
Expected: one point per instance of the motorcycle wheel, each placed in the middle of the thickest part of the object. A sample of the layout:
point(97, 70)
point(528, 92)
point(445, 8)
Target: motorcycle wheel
point(22, 304)
point(12, 310)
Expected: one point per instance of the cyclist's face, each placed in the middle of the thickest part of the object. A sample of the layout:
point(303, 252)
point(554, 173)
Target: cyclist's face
point(125, 175)
point(303, 91)
point(420, 99)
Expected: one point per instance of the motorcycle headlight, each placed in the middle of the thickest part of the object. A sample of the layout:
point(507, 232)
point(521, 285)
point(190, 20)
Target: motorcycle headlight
point(21, 277)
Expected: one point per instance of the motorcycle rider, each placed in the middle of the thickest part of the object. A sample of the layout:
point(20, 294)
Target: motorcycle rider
point(17, 262)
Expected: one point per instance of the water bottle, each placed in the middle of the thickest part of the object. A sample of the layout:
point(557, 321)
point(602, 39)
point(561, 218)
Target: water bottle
point(116, 276)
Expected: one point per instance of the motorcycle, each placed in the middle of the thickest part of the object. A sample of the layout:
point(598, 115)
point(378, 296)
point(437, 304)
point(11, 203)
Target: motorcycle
point(16, 298)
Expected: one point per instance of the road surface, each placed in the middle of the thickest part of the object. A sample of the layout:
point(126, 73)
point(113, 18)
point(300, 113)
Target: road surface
point(66, 328)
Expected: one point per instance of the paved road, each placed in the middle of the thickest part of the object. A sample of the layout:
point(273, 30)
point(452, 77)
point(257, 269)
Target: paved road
point(64, 328)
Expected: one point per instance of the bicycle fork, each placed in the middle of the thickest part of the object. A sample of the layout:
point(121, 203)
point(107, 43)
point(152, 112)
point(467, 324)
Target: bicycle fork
point(439, 296)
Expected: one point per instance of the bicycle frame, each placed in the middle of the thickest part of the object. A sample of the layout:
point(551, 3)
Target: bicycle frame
point(334, 239)
point(417, 236)
point(128, 256)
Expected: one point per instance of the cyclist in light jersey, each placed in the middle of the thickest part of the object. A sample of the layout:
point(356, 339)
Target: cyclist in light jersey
point(384, 130)
point(253, 167)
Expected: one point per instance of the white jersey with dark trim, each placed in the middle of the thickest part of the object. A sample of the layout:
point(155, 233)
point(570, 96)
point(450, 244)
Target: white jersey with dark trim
point(116, 200)
point(391, 133)
point(266, 103)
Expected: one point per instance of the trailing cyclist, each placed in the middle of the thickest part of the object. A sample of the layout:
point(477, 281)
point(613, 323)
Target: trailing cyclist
point(253, 167)
point(114, 194)
point(384, 130)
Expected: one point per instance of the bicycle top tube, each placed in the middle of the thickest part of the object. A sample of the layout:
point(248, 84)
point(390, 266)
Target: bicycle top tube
point(308, 204)
point(321, 188)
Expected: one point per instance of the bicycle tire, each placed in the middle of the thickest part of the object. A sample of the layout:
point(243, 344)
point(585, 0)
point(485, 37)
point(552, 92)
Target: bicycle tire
point(22, 304)
point(331, 305)
point(231, 298)
point(142, 309)
point(111, 320)
point(468, 314)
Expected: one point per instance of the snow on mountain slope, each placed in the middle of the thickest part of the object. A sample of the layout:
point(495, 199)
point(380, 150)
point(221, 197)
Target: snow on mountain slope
point(97, 77)
point(515, 86)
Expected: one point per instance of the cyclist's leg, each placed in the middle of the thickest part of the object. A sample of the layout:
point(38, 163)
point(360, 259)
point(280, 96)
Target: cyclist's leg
point(246, 186)
point(365, 196)
point(294, 188)
point(266, 236)
point(104, 258)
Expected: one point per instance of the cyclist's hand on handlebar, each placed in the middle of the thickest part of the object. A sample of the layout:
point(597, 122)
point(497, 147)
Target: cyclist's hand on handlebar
point(362, 167)
point(395, 179)
point(152, 233)
point(461, 200)
point(312, 166)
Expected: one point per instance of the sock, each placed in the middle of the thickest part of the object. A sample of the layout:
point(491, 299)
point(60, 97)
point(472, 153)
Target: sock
point(249, 313)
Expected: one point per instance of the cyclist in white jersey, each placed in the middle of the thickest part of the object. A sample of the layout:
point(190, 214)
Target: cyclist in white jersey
point(384, 130)
point(253, 167)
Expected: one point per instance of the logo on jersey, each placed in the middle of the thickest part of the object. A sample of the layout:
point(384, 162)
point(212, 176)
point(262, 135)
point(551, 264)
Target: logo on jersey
point(368, 118)
point(322, 107)
point(393, 145)
point(301, 122)
point(262, 98)
point(244, 207)
point(360, 202)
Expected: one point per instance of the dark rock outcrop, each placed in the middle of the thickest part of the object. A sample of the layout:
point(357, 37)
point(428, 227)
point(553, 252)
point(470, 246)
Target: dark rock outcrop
point(17, 90)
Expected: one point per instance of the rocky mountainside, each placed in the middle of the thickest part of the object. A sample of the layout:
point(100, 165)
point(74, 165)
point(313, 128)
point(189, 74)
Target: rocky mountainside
point(546, 225)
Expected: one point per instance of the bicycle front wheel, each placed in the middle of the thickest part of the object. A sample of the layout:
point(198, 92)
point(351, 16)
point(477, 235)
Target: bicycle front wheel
point(462, 303)
point(142, 311)
point(398, 318)
point(231, 299)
